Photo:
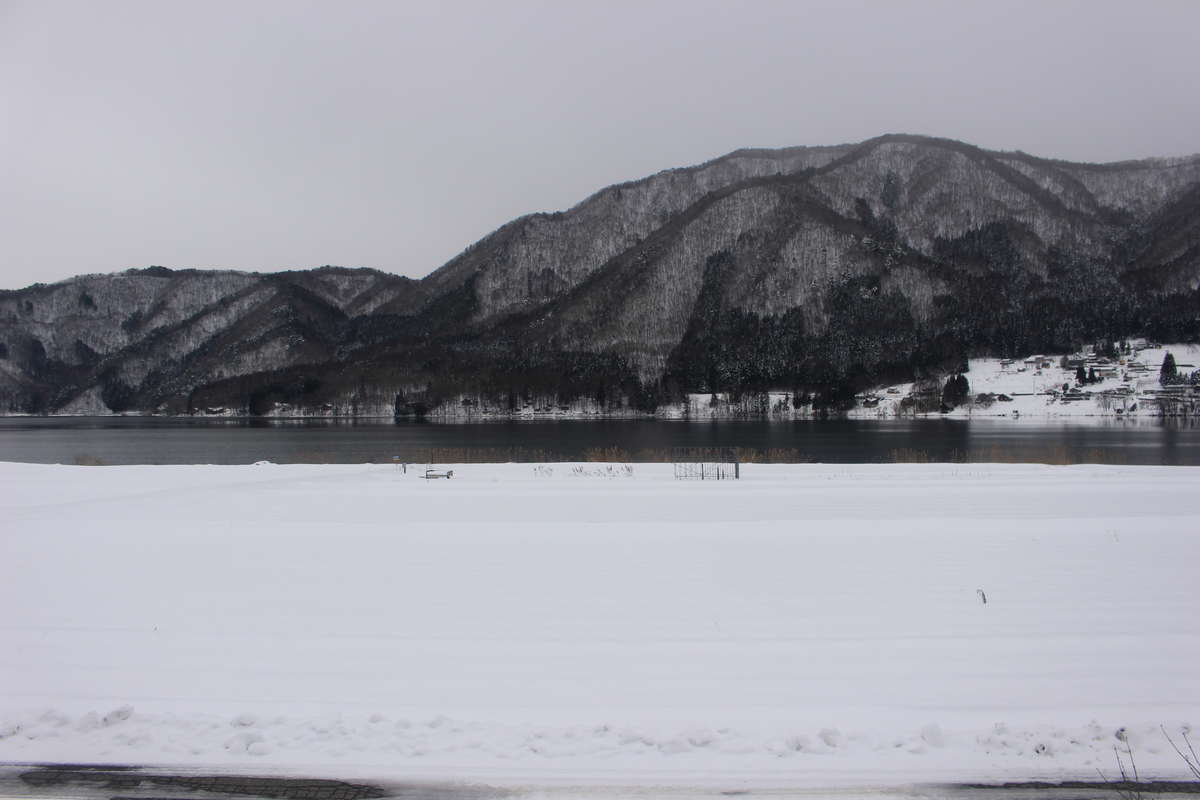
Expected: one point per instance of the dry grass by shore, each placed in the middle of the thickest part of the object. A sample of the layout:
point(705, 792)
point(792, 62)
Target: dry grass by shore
point(611, 454)
point(1057, 455)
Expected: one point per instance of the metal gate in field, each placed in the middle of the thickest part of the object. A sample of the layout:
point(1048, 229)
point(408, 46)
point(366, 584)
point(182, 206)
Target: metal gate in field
point(705, 463)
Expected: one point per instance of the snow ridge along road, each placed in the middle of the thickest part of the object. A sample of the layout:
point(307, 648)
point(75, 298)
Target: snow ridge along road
point(809, 625)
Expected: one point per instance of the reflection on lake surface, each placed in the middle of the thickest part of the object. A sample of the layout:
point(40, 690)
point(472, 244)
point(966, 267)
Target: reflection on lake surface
point(150, 440)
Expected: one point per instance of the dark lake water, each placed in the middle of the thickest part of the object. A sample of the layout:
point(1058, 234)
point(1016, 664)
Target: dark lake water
point(133, 440)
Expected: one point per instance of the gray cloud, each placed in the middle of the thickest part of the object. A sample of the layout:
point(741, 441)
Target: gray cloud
point(274, 135)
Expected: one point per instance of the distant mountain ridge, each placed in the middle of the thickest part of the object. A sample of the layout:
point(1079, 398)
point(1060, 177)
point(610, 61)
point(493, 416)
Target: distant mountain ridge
point(818, 270)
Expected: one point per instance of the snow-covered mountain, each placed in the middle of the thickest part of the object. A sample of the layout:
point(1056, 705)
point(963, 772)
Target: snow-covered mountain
point(824, 269)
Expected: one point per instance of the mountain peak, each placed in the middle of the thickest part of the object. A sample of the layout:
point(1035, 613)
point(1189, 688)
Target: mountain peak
point(820, 267)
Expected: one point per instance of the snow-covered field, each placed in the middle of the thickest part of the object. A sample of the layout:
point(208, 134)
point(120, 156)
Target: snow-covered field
point(809, 625)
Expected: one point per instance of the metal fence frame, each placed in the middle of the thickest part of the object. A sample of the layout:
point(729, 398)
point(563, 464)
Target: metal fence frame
point(706, 464)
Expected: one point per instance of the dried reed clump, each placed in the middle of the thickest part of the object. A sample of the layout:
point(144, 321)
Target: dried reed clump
point(473, 455)
point(996, 454)
point(772, 455)
point(610, 454)
point(907, 455)
point(665, 455)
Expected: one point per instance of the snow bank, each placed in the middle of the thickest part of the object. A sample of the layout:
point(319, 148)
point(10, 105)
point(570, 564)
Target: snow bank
point(807, 625)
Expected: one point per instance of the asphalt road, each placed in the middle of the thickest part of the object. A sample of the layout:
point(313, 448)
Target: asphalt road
point(123, 782)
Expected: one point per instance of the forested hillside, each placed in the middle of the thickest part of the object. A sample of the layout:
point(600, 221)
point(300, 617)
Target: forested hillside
point(819, 271)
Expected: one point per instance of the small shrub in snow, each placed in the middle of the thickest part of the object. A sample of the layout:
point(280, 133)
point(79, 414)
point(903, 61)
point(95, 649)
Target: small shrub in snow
point(674, 746)
point(832, 737)
point(1190, 758)
point(932, 735)
point(1130, 786)
point(250, 743)
point(58, 719)
point(629, 736)
point(799, 744)
point(118, 715)
point(603, 471)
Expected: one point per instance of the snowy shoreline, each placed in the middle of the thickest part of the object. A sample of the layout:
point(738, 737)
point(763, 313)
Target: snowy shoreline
point(808, 625)
point(1126, 388)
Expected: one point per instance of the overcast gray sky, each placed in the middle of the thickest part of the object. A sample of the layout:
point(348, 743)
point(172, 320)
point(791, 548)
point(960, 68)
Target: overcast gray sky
point(274, 135)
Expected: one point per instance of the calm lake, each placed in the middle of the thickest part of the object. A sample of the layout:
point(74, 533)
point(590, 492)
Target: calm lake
point(139, 440)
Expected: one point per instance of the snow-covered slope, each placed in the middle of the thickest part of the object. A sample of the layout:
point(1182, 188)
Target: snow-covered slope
point(1017, 387)
point(806, 625)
